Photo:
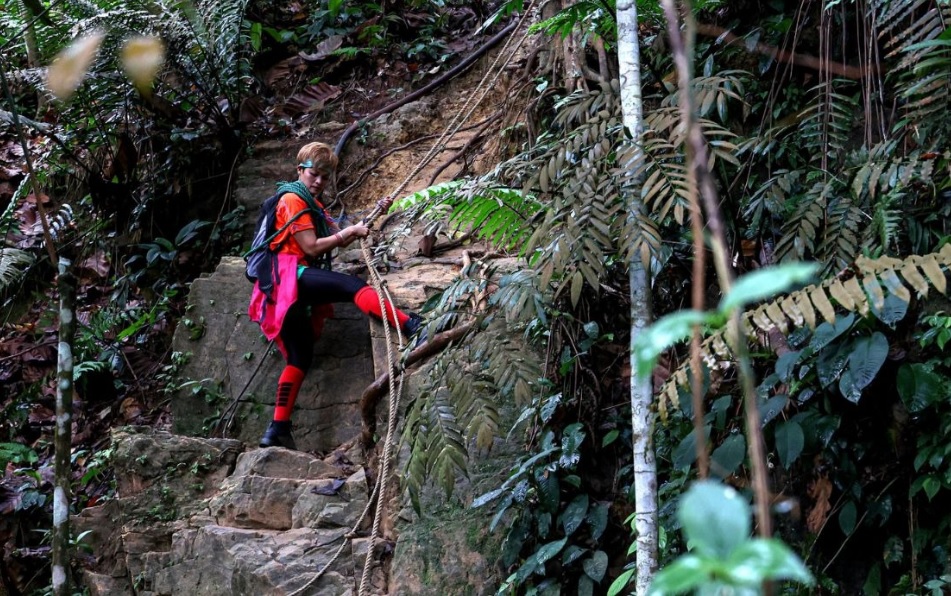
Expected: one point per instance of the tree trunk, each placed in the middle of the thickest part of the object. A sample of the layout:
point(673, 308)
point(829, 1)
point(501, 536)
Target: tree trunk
point(32, 53)
point(645, 468)
point(64, 421)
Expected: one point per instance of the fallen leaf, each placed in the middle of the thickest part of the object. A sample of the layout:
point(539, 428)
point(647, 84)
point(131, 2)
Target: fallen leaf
point(819, 491)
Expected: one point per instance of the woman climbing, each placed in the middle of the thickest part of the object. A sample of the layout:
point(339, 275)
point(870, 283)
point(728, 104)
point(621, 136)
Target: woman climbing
point(292, 308)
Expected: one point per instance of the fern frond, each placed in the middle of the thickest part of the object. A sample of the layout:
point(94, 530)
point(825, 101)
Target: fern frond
point(799, 234)
point(446, 447)
point(887, 218)
point(520, 298)
point(771, 197)
point(826, 123)
point(916, 31)
point(864, 292)
point(13, 264)
point(842, 234)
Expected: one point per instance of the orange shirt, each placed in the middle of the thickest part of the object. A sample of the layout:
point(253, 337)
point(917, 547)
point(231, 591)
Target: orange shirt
point(287, 207)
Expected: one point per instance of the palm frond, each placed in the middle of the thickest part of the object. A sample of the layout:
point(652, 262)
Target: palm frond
point(863, 289)
point(916, 31)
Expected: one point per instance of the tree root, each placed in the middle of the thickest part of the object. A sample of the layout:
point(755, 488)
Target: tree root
point(376, 390)
point(447, 76)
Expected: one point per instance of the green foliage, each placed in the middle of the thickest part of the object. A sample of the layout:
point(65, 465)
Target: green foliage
point(716, 523)
point(586, 15)
point(553, 523)
point(676, 327)
point(16, 454)
point(499, 216)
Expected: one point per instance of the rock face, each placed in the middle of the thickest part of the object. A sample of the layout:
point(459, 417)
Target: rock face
point(271, 520)
point(226, 355)
point(197, 516)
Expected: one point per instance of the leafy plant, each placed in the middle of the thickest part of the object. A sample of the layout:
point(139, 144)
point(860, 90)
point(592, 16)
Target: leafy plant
point(723, 557)
point(558, 528)
point(875, 288)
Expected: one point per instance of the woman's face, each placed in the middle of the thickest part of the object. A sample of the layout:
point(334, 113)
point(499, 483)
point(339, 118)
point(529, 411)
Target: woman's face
point(314, 178)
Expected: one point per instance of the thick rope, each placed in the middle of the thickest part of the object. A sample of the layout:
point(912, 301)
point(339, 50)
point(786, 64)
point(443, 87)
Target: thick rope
point(396, 387)
point(396, 390)
point(386, 301)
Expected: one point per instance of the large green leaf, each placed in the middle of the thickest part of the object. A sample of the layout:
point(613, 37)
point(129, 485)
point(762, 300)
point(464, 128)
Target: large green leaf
point(766, 283)
point(772, 408)
point(867, 357)
point(686, 452)
point(666, 332)
point(893, 310)
point(729, 455)
point(826, 333)
point(847, 517)
point(684, 574)
point(832, 361)
point(536, 562)
point(715, 518)
point(790, 441)
point(574, 514)
point(597, 518)
point(596, 565)
point(759, 560)
point(919, 386)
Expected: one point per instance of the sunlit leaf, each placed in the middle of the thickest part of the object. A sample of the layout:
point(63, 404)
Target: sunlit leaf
point(766, 283)
point(71, 64)
point(715, 518)
point(667, 331)
point(141, 58)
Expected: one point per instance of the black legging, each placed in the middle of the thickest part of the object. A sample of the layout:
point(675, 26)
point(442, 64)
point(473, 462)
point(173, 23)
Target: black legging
point(314, 286)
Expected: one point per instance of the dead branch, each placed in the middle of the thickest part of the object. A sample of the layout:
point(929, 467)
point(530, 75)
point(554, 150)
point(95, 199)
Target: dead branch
point(376, 390)
point(728, 37)
point(447, 76)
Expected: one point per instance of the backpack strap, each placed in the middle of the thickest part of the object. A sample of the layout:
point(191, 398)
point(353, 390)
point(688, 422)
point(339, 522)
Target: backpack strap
point(267, 241)
point(320, 224)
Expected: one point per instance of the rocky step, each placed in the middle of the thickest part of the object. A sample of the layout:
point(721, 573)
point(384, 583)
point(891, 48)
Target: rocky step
point(272, 521)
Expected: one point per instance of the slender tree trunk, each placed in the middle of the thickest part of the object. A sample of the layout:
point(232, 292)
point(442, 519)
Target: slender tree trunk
point(32, 53)
point(645, 467)
point(63, 437)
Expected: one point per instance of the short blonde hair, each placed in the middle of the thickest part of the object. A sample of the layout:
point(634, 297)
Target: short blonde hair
point(320, 155)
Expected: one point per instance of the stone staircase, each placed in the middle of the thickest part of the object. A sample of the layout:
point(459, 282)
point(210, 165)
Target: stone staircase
point(204, 517)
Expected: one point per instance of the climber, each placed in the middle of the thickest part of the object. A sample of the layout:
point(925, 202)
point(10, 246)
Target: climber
point(293, 312)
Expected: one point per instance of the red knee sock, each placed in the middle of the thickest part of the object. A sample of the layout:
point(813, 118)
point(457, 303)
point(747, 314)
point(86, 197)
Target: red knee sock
point(287, 389)
point(368, 301)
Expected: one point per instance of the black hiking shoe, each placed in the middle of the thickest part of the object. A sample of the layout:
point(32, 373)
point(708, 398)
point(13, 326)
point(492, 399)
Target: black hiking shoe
point(415, 330)
point(278, 434)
